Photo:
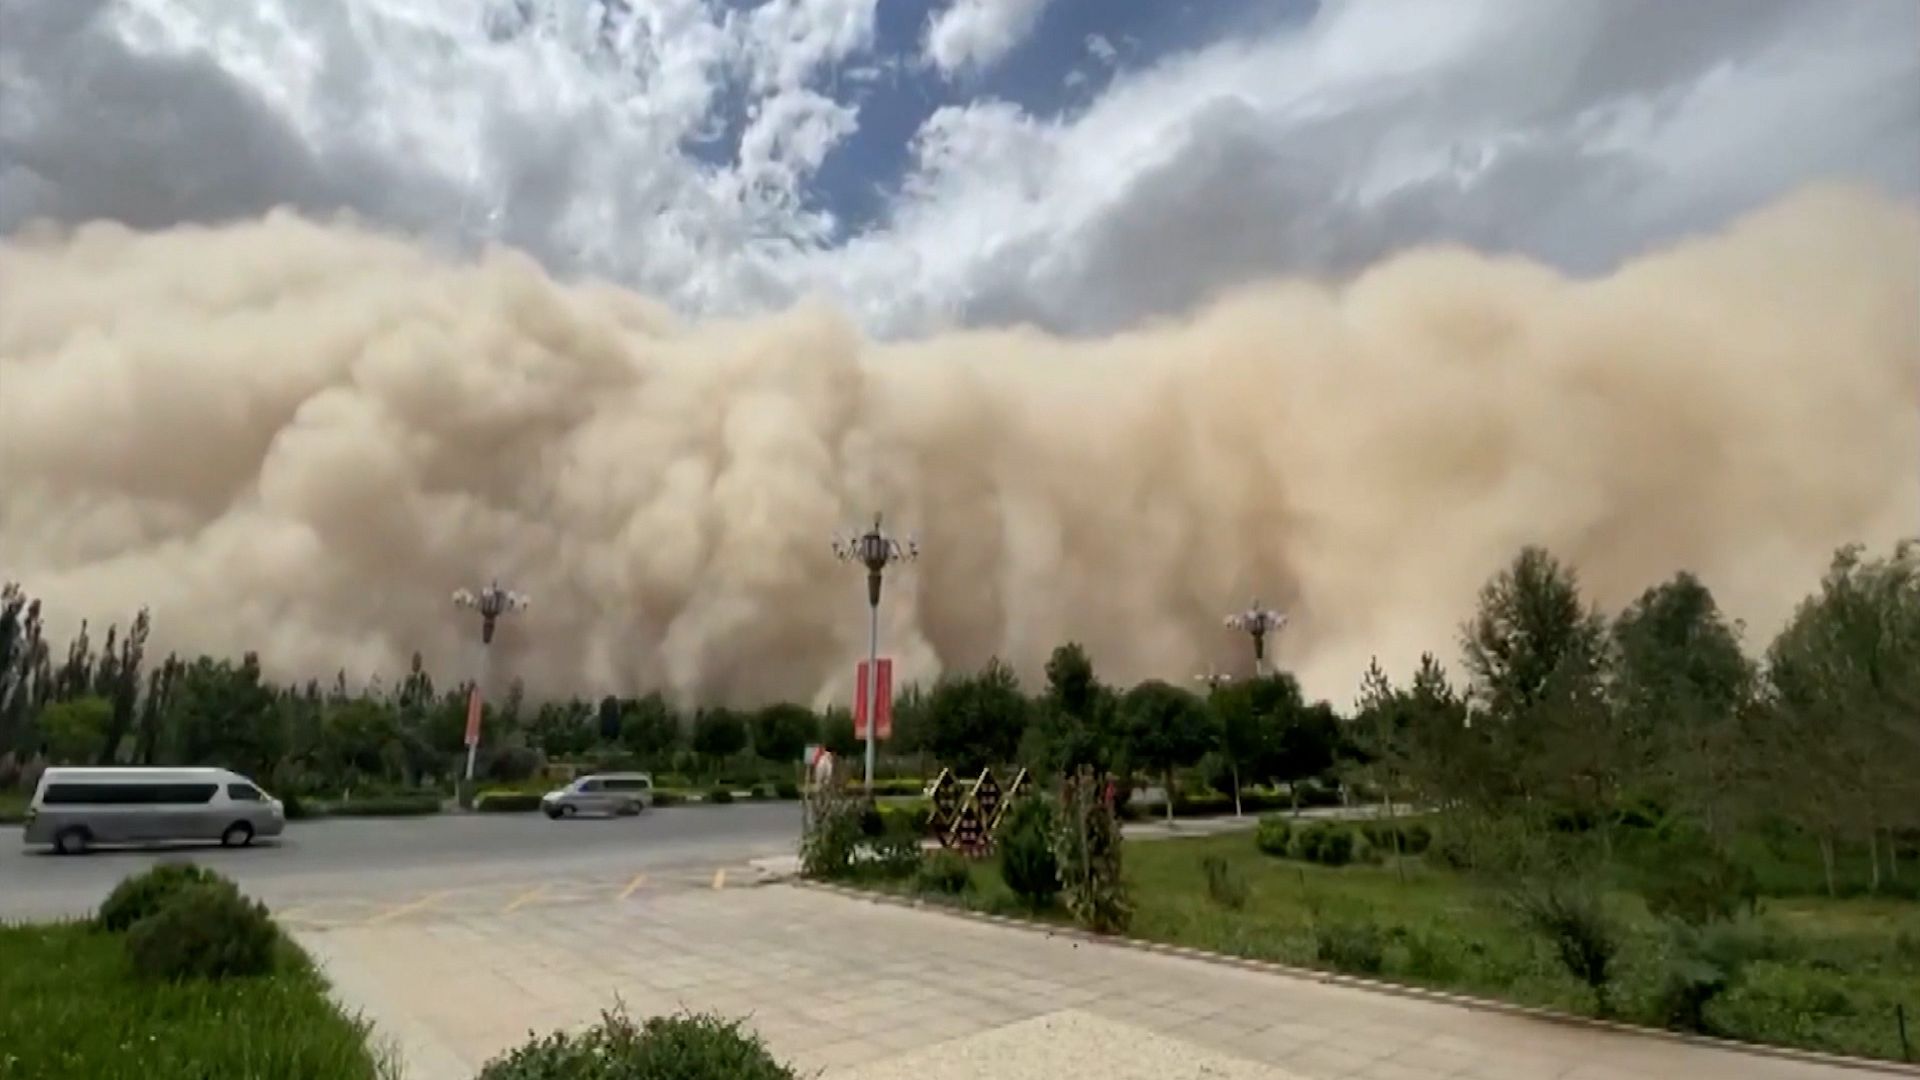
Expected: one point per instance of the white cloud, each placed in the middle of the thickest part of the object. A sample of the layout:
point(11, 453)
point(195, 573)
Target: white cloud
point(976, 34)
point(1580, 131)
point(1380, 125)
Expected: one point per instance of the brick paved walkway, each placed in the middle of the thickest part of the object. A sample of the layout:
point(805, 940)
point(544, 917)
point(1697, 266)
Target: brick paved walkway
point(859, 989)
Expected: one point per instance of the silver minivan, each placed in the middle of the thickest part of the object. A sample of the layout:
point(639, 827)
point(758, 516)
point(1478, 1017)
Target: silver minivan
point(602, 793)
point(75, 809)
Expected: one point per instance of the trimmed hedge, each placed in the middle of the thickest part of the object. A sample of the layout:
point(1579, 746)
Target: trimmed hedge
point(376, 806)
point(506, 802)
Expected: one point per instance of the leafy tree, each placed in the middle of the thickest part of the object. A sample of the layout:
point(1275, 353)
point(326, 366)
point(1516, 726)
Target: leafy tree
point(719, 734)
point(609, 719)
point(781, 732)
point(1167, 727)
point(1535, 655)
point(836, 733)
point(222, 714)
point(1680, 687)
point(72, 729)
point(26, 678)
point(119, 683)
point(1076, 721)
point(1844, 682)
point(976, 721)
point(648, 728)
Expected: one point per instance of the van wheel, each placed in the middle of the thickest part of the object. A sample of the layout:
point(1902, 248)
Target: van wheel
point(238, 834)
point(628, 809)
point(72, 841)
point(567, 810)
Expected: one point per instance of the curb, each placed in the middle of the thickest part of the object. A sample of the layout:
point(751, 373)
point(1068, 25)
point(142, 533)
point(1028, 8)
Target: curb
point(1268, 967)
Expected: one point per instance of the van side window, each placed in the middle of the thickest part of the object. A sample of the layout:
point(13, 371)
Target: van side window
point(243, 793)
point(134, 794)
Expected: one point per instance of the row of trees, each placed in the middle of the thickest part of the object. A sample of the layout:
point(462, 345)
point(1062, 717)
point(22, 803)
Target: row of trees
point(1566, 718)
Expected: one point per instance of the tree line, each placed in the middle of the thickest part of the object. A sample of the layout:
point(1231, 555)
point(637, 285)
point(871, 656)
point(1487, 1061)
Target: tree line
point(1566, 718)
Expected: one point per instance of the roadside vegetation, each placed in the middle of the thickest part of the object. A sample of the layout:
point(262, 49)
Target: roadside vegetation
point(178, 977)
point(1625, 818)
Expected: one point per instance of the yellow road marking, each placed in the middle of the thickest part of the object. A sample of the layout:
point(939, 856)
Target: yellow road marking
point(720, 878)
point(421, 904)
point(638, 880)
point(524, 899)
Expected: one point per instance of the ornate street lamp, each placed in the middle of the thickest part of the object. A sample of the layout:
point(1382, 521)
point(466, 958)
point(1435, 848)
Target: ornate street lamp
point(491, 602)
point(875, 550)
point(1259, 623)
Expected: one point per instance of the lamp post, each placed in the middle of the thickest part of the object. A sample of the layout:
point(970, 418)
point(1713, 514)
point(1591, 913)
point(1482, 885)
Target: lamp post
point(1258, 622)
point(1214, 680)
point(875, 550)
point(491, 602)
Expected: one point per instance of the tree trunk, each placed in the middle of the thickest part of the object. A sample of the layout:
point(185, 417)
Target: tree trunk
point(1236, 789)
point(1826, 860)
point(1169, 783)
point(1873, 860)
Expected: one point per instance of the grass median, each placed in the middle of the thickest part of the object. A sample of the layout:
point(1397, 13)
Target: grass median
point(1827, 975)
point(70, 1009)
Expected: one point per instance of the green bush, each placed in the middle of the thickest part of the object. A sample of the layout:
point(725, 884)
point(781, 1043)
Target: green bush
point(1336, 848)
point(1027, 862)
point(1694, 881)
point(1087, 843)
point(140, 895)
point(896, 854)
point(204, 931)
point(506, 802)
point(786, 789)
point(1415, 837)
point(1226, 885)
point(1358, 947)
point(720, 796)
point(378, 806)
point(832, 835)
point(1308, 841)
point(1274, 836)
point(946, 873)
point(1572, 918)
point(691, 1047)
point(668, 798)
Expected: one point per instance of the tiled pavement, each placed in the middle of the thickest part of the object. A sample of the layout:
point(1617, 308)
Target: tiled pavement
point(850, 987)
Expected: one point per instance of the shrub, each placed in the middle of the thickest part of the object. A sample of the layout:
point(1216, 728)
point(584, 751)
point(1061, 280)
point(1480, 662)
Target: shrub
point(1415, 837)
point(1273, 836)
point(691, 1047)
point(1086, 842)
point(786, 789)
point(831, 836)
point(1358, 947)
point(1570, 915)
point(720, 796)
point(1027, 862)
point(668, 798)
point(1337, 848)
point(1226, 885)
point(511, 764)
point(1695, 882)
point(296, 808)
point(382, 806)
point(1308, 841)
point(896, 855)
point(204, 931)
point(946, 873)
point(506, 802)
point(141, 895)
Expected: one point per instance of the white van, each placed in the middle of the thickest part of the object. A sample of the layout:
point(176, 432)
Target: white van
point(75, 809)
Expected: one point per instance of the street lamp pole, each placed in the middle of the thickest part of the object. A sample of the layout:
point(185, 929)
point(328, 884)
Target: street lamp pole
point(875, 550)
point(1259, 623)
point(491, 602)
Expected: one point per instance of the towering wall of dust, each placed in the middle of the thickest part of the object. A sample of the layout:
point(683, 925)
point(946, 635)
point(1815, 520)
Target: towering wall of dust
point(299, 438)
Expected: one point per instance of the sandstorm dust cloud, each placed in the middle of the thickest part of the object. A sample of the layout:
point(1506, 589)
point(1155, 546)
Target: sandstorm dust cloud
point(299, 438)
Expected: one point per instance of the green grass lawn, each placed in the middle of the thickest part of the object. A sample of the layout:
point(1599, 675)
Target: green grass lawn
point(71, 1010)
point(1830, 974)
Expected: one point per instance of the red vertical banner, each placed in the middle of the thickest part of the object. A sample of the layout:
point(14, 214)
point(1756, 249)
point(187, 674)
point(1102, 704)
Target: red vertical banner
point(473, 717)
point(885, 696)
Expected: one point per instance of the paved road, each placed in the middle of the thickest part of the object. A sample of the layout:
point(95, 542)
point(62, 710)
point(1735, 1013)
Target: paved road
point(375, 860)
